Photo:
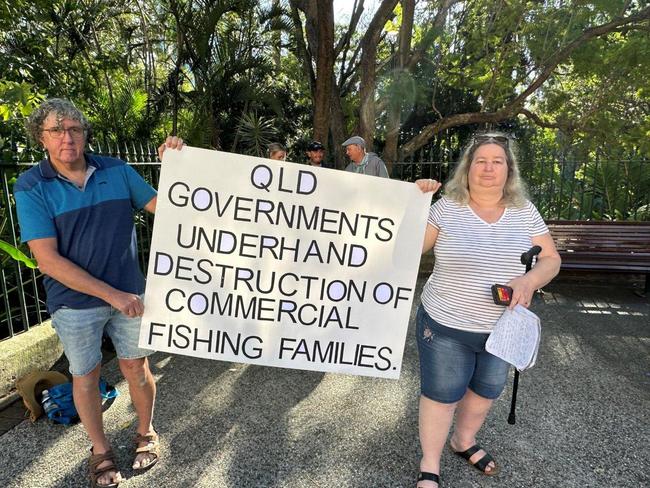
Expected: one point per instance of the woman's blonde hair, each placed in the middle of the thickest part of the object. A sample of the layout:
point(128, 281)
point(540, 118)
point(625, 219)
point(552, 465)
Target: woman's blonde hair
point(514, 191)
point(275, 147)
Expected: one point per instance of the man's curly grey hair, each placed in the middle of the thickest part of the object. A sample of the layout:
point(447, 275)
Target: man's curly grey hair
point(63, 109)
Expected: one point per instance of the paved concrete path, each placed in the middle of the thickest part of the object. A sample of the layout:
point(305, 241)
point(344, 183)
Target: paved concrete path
point(582, 417)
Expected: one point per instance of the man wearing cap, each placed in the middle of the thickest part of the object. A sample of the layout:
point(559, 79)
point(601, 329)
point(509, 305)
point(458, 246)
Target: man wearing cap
point(363, 162)
point(316, 154)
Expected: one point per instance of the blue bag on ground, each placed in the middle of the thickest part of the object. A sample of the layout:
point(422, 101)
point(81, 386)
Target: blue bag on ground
point(58, 404)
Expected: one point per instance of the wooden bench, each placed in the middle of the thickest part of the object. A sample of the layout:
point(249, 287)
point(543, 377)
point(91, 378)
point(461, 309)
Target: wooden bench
point(622, 247)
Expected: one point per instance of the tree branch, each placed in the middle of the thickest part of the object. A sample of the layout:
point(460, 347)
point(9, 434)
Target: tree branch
point(344, 42)
point(544, 123)
point(431, 34)
point(368, 70)
point(515, 106)
point(427, 40)
point(303, 52)
point(564, 53)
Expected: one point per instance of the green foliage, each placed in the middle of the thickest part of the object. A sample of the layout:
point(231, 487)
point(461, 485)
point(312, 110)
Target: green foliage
point(256, 134)
point(604, 101)
point(17, 100)
point(591, 189)
point(126, 109)
point(227, 75)
point(17, 254)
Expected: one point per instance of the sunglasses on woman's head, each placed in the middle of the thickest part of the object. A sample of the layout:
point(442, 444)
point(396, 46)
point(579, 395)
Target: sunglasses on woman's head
point(486, 138)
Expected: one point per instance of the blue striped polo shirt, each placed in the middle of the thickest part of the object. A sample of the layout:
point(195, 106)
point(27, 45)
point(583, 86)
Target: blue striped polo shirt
point(93, 226)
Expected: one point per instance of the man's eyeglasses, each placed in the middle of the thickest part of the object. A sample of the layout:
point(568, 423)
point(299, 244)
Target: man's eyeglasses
point(58, 132)
point(487, 138)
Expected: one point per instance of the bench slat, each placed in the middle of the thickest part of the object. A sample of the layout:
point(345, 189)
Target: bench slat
point(603, 246)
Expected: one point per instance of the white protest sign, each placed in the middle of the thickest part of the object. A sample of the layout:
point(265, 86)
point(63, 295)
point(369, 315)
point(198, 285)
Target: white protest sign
point(280, 264)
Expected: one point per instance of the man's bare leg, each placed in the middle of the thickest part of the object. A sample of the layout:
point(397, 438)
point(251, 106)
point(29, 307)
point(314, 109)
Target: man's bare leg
point(142, 388)
point(87, 400)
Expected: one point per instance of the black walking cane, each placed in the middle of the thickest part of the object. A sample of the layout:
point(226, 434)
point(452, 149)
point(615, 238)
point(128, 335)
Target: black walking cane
point(502, 295)
point(527, 259)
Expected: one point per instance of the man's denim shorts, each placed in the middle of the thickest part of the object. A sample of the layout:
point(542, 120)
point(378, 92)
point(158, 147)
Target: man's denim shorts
point(81, 330)
point(453, 360)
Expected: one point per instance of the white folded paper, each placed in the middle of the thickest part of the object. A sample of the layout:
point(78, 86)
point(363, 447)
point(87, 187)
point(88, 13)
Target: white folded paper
point(515, 337)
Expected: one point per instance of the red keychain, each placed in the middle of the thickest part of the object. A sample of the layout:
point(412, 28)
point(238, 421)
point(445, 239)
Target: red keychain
point(501, 294)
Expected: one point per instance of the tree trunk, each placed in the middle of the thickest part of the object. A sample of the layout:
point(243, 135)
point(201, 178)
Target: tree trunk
point(367, 99)
point(395, 106)
point(277, 41)
point(337, 126)
point(303, 50)
point(368, 65)
point(324, 69)
point(175, 77)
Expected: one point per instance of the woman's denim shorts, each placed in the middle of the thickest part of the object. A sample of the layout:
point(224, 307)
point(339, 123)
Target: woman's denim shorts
point(453, 360)
point(81, 330)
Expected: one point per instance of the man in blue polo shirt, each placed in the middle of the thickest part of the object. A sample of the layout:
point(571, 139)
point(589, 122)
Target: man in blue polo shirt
point(75, 211)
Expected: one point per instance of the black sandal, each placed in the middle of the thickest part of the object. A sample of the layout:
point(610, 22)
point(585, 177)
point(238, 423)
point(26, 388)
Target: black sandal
point(424, 476)
point(482, 464)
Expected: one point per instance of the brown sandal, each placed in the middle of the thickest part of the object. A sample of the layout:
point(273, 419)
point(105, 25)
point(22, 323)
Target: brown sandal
point(95, 472)
point(152, 447)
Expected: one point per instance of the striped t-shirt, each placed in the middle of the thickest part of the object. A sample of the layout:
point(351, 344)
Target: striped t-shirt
point(472, 255)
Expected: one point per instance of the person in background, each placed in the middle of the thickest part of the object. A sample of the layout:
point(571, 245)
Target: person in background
point(478, 230)
point(316, 154)
point(277, 151)
point(75, 211)
point(361, 161)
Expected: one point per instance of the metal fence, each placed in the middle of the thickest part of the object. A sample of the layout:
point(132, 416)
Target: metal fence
point(567, 190)
point(22, 297)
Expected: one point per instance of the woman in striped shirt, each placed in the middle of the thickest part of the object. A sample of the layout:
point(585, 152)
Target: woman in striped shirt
point(478, 230)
